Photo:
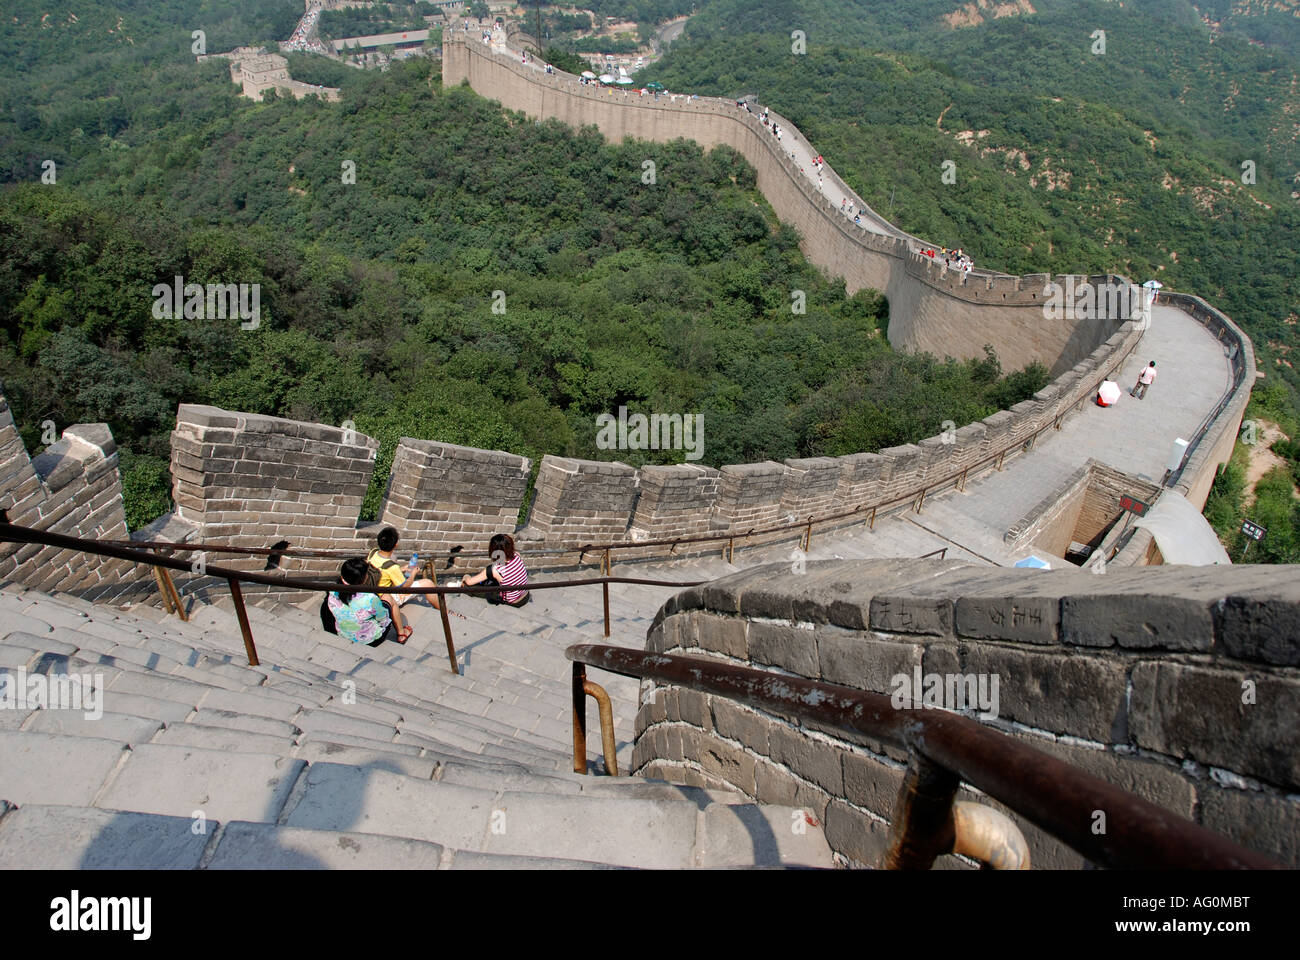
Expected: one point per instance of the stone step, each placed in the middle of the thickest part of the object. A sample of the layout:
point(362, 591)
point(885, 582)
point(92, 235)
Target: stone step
point(264, 846)
point(55, 768)
point(472, 860)
point(107, 726)
point(475, 775)
point(231, 720)
point(352, 799)
point(39, 836)
point(325, 720)
point(343, 739)
point(150, 684)
point(421, 768)
point(229, 739)
point(181, 781)
point(251, 702)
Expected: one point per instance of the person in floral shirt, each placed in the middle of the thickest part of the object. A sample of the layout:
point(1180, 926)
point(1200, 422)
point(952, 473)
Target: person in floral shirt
point(360, 617)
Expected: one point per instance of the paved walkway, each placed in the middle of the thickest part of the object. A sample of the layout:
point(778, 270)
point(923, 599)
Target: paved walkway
point(1135, 436)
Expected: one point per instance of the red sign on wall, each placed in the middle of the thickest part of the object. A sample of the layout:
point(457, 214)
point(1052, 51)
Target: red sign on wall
point(1133, 506)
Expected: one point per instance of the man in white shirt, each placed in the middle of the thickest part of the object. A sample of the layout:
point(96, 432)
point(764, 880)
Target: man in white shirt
point(1145, 379)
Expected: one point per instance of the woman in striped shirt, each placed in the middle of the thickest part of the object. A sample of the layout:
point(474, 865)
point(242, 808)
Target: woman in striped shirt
point(506, 570)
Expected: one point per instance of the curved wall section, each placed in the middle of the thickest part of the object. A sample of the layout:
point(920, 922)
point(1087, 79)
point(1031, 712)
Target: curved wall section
point(931, 308)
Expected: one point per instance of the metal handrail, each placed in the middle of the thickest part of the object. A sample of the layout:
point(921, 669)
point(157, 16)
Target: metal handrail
point(13, 533)
point(946, 749)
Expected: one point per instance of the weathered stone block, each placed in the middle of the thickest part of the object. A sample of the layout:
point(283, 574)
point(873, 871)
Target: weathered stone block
point(853, 834)
point(1079, 695)
point(736, 722)
point(872, 783)
point(811, 759)
point(791, 648)
point(1263, 822)
point(1197, 713)
point(856, 659)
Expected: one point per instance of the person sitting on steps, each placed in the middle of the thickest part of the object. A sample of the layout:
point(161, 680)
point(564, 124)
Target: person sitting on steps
point(360, 617)
point(391, 574)
point(506, 570)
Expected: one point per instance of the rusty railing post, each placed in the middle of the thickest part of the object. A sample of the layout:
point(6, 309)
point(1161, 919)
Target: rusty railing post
point(579, 718)
point(604, 587)
point(922, 827)
point(244, 628)
point(871, 524)
point(162, 590)
point(597, 692)
point(446, 632)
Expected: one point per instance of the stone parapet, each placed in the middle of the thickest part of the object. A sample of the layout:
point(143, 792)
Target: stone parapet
point(582, 501)
point(1178, 684)
point(442, 496)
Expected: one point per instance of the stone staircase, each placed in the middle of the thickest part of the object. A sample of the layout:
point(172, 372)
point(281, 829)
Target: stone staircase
point(326, 756)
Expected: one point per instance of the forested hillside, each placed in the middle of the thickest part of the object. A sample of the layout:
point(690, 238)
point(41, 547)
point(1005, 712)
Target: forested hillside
point(378, 295)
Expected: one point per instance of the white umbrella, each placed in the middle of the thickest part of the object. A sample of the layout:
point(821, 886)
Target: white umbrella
point(606, 78)
point(1108, 392)
point(626, 81)
point(588, 75)
point(1153, 284)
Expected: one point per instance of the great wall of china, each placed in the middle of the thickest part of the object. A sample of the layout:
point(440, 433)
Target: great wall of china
point(1123, 665)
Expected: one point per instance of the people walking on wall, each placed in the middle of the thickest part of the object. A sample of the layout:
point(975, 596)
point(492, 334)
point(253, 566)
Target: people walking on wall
point(506, 570)
point(1145, 379)
point(358, 616)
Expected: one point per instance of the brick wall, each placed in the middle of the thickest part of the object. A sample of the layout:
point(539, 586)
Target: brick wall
point(72, 488)
point(245, 480)
point(1137, 677)
point(581, 501)
point(442, 496)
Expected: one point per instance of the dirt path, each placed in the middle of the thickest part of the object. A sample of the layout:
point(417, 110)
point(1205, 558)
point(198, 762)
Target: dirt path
point(1260, 458)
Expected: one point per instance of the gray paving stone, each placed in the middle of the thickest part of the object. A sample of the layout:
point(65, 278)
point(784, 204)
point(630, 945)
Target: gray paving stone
point(157, 685)
point(55, 768)
point(631, 833)
point(749, 835)
point(247, 703)
point(232, 720)
point(224, 738)
point(343, 739)
point(421, 768)
point(12, 623)
point(327, 721)
point(108, 726)
point(177, 781)
point(469, 860)
point(42, 837)
point(375, 801)
point(143, 706)
point(262, 846)
point(474, 775)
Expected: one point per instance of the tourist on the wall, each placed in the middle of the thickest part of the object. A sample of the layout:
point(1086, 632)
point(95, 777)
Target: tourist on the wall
point(1145, 379)
point(506, 570)
point(1108, 393)
point(356, 616)
point(389, 573)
